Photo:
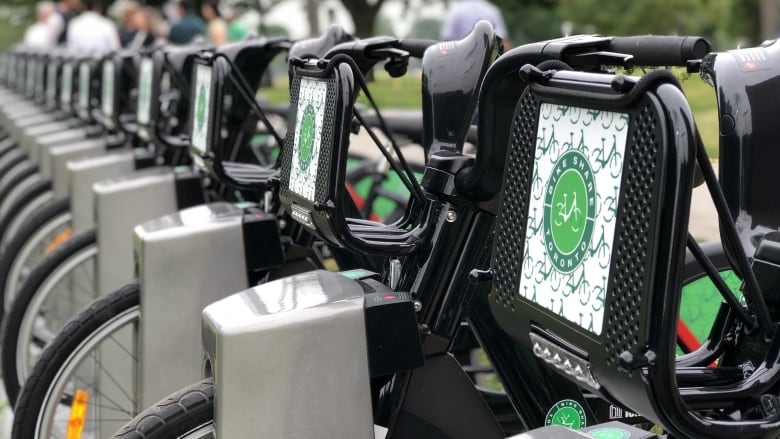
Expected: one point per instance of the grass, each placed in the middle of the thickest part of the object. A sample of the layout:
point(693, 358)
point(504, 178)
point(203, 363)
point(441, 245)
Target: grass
point(406, 92)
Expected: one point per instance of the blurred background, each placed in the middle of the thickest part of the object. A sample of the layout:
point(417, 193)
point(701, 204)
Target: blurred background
point(727, 23)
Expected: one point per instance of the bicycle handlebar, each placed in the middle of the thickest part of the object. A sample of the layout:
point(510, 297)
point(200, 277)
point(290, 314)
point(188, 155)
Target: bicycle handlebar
point(416, 47)
point(657, 50)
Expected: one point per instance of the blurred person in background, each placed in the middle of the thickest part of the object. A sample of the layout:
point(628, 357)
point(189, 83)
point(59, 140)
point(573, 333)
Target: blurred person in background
point(57, 23)
point(464, 14)
point(123, 11)
point(236, 30)
point(188, 26)
point(216, 26)
point(142, 22)
point(38, 35)
point(91, 32)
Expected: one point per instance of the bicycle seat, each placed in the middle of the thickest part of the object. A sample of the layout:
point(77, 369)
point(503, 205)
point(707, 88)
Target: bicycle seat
point(744, 80)
point(317, 47)
point(450, 94)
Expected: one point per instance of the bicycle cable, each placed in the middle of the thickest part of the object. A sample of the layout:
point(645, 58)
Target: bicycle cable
point(245, 90)
point(405, 174)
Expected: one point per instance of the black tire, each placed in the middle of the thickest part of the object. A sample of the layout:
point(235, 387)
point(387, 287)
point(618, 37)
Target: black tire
point(188, 410)
point(34, 191)
point(26, 172)
point(12, 161)
point(76, 333)
point(19, 308)
point(36, 221)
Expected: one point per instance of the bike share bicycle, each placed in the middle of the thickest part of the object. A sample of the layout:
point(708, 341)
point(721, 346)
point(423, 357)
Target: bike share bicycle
point(23, 194)
point(76, 273)
point(156, 239)
point(43, 222)
point(248, 59)
point(247, 322)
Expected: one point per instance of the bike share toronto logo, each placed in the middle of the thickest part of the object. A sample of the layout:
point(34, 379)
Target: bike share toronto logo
point(569, 209)
point(567, 413)
point(304, 166)
point(306, 142)
point(572, 211)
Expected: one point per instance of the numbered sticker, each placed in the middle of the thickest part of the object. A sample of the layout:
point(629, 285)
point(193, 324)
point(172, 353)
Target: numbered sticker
point(67, 86)
point(84, 86)
point(308, 137)
point(201, 110)
point(578, 167)
point(107, 89)
point(145, 90)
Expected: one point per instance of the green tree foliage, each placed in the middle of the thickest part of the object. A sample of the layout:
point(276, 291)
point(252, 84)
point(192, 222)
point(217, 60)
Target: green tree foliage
point(726, 23)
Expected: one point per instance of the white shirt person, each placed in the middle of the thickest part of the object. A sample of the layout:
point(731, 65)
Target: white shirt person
point(91, 32)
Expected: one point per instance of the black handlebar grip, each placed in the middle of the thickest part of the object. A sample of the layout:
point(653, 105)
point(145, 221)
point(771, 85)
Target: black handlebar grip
point(416, 47)
point(657, 50)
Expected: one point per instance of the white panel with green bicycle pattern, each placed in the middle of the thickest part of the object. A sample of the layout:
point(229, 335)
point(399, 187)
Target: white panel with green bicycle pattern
point(145, 90)
point(84, 86)
point(312, 97)
point(51, 83)
point(107, 90)
point(202, 109)
point(67, 85)
point(578, 167)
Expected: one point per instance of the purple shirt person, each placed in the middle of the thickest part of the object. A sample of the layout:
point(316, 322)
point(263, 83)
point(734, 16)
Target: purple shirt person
point(464, 14)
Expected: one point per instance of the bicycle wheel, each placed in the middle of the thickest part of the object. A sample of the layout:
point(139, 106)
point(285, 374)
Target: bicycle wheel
point(62, 285)
point(48, 228)
point(23, 207)
point(71, 376)
point(188, 413)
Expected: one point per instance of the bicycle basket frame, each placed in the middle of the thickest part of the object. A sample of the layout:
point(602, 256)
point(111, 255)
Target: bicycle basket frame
point(228, 122)
point(312, 180)
point(631, 359)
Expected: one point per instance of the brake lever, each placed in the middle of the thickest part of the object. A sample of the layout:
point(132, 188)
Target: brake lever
point(398, 60)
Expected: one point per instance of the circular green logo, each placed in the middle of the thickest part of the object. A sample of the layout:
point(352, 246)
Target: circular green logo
point(568, 413)
point(609, 433)
point(306, 138)
point(569, 211)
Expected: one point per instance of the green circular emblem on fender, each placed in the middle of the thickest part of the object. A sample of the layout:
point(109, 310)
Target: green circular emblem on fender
point(568, 413)
point(201, 110)
point(609, 433)
point(569, 211)
point(306, 138)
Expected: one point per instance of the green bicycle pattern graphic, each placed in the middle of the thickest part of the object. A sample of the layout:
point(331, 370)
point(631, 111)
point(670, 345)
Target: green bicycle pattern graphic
point(107, 90)
point(202, 108)
point(145, 90)
point(308, 135)
point(576, 180)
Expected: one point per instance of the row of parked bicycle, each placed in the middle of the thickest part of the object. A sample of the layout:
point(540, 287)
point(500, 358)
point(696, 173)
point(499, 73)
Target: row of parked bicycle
point(162, 226)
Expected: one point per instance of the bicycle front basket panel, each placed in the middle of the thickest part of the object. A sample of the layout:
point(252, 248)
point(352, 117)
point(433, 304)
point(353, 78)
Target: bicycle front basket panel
point(589, 231)
point(312, 172)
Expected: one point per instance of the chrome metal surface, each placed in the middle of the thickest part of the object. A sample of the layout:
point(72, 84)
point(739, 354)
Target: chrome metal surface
point(120, 204)
point(297, 342)
point(83, 173)
point(186, 261)
point(58, 157)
